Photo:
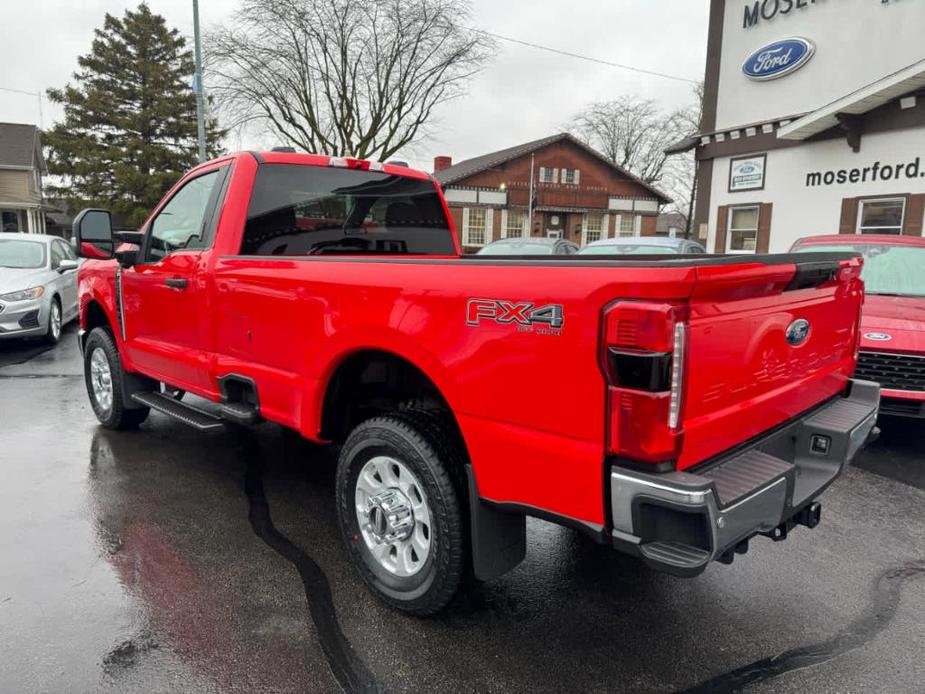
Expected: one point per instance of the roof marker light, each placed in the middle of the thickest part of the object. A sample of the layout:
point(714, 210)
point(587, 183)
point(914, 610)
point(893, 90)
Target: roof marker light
point(376, 166)
point(339, 162)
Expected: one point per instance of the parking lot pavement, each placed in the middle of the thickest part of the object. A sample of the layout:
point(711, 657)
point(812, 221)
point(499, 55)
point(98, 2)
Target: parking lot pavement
point(164, 560)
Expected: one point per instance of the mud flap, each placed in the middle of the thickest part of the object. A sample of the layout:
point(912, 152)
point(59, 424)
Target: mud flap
point(499, 538)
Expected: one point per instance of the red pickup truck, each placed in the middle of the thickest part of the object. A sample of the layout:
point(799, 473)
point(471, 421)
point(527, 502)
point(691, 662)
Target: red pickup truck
point(672, 407)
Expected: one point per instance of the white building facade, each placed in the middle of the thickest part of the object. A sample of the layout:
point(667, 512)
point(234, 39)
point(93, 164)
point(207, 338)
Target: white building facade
point(814, 122)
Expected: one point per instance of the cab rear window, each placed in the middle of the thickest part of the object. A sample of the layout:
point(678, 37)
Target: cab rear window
point(309, 210)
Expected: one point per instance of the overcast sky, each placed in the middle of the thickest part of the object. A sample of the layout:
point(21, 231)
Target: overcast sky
point(523, 94)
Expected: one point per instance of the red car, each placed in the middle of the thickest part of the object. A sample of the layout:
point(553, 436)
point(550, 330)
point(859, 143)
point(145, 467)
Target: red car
point(672, 408)
point(893, 318)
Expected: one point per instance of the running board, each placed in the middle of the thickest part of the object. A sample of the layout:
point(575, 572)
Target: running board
point(192, 416)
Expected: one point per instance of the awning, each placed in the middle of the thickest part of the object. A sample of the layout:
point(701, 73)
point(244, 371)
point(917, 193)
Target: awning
point(857, 103)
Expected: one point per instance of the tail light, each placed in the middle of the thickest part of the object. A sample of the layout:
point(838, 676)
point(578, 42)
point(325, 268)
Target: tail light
point(644, 349)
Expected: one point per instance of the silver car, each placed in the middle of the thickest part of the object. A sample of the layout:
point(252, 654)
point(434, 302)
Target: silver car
point(38, 286)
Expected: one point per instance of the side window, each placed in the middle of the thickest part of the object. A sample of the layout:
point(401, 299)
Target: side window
point(68, 251)
point(57, 254)
point(181, 222)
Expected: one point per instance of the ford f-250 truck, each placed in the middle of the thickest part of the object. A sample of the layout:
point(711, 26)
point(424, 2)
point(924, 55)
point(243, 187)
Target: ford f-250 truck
point(674, 408)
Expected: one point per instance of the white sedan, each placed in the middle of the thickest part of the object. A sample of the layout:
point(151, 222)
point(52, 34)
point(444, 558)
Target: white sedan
point(38, 286)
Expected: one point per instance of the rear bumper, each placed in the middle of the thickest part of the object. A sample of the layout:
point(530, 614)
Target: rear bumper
point(679, 522)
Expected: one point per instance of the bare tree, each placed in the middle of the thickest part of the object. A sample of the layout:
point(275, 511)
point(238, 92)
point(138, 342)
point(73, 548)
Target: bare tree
point(631, 132)
point(343, 77)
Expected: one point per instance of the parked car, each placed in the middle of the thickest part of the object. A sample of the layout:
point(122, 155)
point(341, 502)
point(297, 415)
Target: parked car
point(642, 245)
point(38, 286)
point(893, 317)
point(672, 411)
point(529, 246)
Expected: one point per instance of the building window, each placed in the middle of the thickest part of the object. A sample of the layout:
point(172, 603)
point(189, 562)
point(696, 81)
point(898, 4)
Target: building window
point(884, 216)
point(627, 225)
point(548, 175)
point(571, 176)
point(743, 229)
point(594, 225)
point(10, 221)
point(475, 227)
point(516, 222)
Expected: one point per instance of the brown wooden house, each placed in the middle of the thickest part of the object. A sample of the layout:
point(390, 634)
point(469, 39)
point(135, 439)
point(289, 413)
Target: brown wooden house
point(580, 195)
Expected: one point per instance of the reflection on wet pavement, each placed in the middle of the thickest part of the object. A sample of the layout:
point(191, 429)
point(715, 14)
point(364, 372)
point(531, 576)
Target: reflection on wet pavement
point(165, 560)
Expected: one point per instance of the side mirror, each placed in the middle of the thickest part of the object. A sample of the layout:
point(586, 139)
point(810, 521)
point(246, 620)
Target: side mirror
point(93, 234)
point(67, 265)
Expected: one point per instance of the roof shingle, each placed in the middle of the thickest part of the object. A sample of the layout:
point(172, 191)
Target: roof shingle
point(19, 143)
point(469, 167)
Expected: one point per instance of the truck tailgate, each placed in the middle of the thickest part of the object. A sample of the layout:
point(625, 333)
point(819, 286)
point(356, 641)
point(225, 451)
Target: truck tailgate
point(765, 343)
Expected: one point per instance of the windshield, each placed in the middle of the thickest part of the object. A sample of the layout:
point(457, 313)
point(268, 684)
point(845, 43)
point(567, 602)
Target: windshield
point(22, 254)
point(628, 249)
point(892, 270)
point(525, 248)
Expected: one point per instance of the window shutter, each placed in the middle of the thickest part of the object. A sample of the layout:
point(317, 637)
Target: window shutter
point(555, 175)
point(637, 225)
point(577, 177)
point(763, 242)
point(504, 223)
point(849, 216)
point(722, 217)
point(915, 210)
point(489, 225)
point(542, 174)
point(465, 225)
point(605, 226)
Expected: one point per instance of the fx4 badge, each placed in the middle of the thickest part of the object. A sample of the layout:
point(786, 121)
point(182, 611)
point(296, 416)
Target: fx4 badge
point(528, 317)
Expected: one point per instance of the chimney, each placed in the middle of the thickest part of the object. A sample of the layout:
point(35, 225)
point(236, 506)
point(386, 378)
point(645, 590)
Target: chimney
point(441, 163)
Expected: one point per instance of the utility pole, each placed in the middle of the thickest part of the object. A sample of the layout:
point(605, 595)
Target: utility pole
point(197, 80)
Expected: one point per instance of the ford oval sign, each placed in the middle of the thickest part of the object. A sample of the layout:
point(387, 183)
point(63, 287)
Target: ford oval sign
point(797, 332)
point(778, 59)
point(878, 337)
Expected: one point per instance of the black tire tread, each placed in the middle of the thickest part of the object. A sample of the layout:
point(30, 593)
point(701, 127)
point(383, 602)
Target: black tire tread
point(426, 434)
point(119, 417)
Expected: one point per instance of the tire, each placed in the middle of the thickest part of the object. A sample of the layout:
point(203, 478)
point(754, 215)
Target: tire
point(425, 455)
point(101, 364)
point(55, 322)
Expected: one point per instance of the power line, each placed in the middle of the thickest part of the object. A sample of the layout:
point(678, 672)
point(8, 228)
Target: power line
point(38, 95)
point(587, 58)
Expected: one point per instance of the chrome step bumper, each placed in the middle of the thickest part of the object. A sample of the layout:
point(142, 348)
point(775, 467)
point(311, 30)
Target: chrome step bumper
point(680, 521)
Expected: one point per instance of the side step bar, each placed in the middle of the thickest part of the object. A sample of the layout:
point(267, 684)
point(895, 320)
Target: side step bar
point(182, 412)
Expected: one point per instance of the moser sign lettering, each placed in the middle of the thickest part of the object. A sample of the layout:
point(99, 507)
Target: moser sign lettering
point(765, 10)
point(747, 173)
point(878, 171)
point(769, 9)
point(778, 59)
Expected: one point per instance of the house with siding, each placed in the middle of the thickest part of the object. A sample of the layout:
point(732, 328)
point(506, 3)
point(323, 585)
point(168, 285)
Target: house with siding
point(21, 168)
point(579, 194)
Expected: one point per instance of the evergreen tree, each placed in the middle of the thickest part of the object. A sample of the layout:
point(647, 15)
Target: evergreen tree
point(129, 127)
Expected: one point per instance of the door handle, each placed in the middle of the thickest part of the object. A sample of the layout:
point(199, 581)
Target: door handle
point(176, 283)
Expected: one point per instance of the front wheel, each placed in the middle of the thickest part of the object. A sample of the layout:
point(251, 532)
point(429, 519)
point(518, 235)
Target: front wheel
point(104, 374)
point(399, 511)
point(53, 333)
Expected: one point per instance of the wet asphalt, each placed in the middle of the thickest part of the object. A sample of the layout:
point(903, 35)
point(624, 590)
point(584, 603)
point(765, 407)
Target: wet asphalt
point(165, 560)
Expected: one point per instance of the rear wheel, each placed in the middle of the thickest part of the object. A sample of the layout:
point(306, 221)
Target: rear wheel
point(399, 511)
point(103, 374)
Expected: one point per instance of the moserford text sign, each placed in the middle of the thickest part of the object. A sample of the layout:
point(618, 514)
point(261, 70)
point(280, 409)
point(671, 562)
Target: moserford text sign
point(778, 59)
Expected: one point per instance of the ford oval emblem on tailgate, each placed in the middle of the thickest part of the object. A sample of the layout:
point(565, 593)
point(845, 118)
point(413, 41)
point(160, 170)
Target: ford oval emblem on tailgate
point(797, 332)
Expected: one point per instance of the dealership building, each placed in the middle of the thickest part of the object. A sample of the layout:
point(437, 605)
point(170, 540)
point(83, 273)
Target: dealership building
point(813, 122)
